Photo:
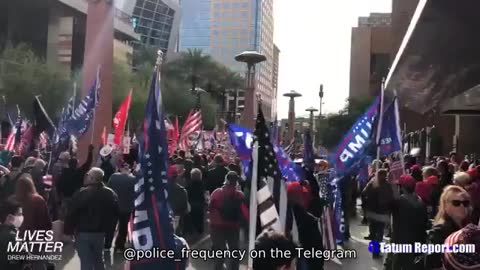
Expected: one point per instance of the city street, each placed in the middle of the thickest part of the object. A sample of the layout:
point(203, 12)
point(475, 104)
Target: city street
point(364, 260)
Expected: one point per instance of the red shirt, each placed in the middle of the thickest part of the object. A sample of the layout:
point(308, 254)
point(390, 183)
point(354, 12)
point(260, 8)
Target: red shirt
point(35, 214)
point(216, 201)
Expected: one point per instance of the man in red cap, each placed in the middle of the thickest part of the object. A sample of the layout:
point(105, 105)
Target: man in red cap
point(409, 224)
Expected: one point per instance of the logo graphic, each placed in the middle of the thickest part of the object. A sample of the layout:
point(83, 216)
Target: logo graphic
point(373, 247)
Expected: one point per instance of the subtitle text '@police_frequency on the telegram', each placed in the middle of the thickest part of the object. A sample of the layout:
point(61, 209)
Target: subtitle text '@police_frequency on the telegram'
point(157, 253)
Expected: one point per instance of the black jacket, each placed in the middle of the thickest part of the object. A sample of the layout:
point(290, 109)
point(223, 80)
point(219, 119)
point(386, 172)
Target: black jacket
point(196, 192)
point(309, 234)
point(71, 179)
point(7, 234)
point(177, 198)
point(410, 220)
point(437, 235)
point(216, 178)
point(93, 209)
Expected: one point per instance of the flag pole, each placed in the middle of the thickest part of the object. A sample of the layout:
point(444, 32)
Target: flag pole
point(399, 138)
point(74, 93)
point(97, 82)
point(380, 123)
point(253, 204)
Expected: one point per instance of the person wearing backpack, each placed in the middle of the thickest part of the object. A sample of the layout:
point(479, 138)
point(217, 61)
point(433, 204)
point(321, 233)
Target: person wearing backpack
point(227, 212)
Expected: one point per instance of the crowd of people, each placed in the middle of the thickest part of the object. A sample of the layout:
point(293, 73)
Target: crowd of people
point(91, 205)
point(426, 205)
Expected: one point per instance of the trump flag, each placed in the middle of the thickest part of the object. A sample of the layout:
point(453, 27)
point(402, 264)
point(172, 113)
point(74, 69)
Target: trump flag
point(352, 146)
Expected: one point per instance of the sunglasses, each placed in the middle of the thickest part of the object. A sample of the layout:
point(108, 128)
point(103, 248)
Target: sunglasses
point(457, 203)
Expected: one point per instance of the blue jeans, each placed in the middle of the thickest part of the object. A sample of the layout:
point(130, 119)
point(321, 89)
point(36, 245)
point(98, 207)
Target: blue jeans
point(90, 250)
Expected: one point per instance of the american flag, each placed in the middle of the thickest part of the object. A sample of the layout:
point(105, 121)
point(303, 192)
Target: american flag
point(327, 219)
point(15, 136)
point(192, 125)
point(152, 226)
point(290, 149)
point(268, 175)
point(10, 145)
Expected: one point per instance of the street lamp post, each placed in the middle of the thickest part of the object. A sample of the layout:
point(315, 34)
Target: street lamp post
point(291, 112)
point(311, 110)
point(320, 94)
point(251, 58)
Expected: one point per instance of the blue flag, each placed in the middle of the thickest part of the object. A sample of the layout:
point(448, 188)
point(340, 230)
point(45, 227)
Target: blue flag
point(79, 121)
point(241, 138)
point(362, 171)
point(62, 132)
point(389, 135)
point(338, 209)
point(353, 145)
point(152, 226)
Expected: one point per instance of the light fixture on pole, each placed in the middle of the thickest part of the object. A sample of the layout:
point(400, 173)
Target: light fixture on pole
point(320, 94)
point(312, 110)
point(251, 58)
point(291, 112)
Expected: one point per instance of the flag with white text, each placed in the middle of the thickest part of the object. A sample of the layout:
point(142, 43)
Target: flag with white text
point(353, 145)
point(151, 226)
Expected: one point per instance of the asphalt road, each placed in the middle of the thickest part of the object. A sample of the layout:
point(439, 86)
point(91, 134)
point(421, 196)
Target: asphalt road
point(363, 261)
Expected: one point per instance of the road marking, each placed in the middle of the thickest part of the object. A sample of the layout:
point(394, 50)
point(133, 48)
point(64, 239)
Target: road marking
point(336, 261)
point(200, 242)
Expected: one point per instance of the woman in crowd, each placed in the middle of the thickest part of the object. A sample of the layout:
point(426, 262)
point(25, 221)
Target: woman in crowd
point(465, 180)
point(35, 210)
point(378, 196)
point(445, 179)
point(453, 214)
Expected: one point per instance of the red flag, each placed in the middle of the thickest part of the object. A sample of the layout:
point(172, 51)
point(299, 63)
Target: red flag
point(104, 135)
point(121, 118)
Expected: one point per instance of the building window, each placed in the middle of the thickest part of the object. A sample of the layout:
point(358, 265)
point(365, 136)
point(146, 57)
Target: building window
point(147, 13)
point(171, 12)
point(244, 14)
point(216, 5)
point(215, 32)
point(149, 6)
point(244, 5)
point(136, 11)
point(226, 5)
point(140, 3)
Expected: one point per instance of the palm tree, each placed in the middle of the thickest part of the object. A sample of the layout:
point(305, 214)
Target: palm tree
point(196, 64)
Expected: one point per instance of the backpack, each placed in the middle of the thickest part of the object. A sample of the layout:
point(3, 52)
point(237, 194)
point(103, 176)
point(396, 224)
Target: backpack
point(231, 210)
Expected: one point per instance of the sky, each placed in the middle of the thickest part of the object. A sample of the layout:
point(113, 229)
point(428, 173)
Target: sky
point(314, 38)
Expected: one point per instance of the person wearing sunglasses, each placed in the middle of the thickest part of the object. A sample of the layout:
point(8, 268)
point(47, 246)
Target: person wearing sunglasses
point(453, 214)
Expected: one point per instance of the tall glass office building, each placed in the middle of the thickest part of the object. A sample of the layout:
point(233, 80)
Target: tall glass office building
point(157, 22)
point(225, 28)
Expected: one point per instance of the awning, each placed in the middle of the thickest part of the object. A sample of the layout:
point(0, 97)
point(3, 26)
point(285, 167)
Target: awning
point(467, 103)
point(440, 55)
